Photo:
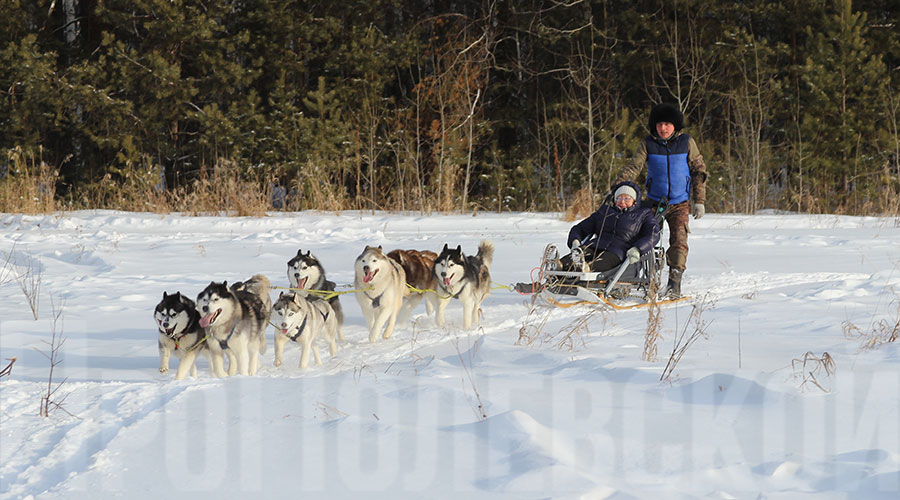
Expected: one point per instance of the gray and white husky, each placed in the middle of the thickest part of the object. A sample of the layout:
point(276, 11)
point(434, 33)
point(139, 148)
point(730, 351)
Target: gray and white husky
point(306, 272)
point(179, 331)
point(234, 322)
point(380, 284)
point(303, 320)
point(467, 278)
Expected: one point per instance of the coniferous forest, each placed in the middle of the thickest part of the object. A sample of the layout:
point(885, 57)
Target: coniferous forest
point(441, 105)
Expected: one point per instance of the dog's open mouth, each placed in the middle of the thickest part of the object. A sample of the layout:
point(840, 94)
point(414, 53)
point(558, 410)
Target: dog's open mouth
point(302, 283)
point(209, 318)
point(170, 331)
point(447, 280)
point(370, 276)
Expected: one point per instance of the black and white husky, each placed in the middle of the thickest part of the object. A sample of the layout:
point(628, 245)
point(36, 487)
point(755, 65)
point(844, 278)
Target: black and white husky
point(380, 284)
point(303, 321)
point(467, 278)
point(234, 322)
point(179, 331)
point(305, 272)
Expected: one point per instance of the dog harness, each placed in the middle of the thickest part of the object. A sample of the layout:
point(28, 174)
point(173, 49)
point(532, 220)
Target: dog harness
point(303, 326)
point(223, 344)
point(450, 292)
point(376, 302)
point(300, 330)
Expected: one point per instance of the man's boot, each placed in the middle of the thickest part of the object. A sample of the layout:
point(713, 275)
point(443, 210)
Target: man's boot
point(673, 287)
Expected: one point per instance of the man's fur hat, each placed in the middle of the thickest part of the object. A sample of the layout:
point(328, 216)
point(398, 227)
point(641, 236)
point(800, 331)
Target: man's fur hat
point(665, 112)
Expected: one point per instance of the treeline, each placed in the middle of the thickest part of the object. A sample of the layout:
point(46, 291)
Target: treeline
point(443, 105)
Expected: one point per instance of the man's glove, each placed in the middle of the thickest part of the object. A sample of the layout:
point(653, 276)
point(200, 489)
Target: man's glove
point(699, 210)
point(633, 255)
point(575, 244)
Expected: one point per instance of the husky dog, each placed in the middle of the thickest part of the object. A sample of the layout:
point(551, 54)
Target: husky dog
point(179, 332)
point(380, 285)
point(306, 272)
point(258, 285)
point(418, 267)
point(465, 278)
point(303, 320)
point(234, 322)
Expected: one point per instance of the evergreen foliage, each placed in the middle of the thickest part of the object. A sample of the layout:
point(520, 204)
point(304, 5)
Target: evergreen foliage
point(423, 105)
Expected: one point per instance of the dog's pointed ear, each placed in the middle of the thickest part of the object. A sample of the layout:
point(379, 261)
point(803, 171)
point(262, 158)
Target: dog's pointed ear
point(299, 252)
point(280, 295)
point(296, 298)
point(225, 283)
point(379, 249)
point(308, 252)
point(445, 248)
point(165, 295)
point(459, 249)
point(178, 296)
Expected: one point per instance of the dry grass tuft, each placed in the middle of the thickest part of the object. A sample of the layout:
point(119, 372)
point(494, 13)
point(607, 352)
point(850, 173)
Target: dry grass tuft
point(582, 205)
point(810, 367)
point(879, 332)
point(29, 186)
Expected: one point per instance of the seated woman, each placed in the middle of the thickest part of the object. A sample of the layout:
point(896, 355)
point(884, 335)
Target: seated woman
point(623, 230)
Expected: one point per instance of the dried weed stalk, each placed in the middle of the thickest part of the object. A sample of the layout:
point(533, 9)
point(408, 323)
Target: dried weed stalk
point(49, 400)
point(533, 326)
point(809, 368)
point(654, 323)
point(683, 341)
point(477, 405)
point(29, 282)
point(7, 371)
point(882, 332)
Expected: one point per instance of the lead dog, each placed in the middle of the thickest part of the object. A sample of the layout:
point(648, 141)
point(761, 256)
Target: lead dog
point(303, 320)
point(418, 266)
point(467, 278)
point(179, 331)
point(234, 322)
point(306, 272)
point(380, 284)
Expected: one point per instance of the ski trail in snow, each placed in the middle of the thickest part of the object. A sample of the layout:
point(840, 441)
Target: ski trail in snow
point(69, 450)
point(740, 284)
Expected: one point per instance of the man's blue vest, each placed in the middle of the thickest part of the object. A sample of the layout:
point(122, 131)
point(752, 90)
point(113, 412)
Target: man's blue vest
point(668, 172)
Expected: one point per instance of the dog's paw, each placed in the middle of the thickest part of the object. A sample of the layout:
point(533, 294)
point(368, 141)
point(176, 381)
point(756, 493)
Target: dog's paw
point(278, 362)
point(163, 369)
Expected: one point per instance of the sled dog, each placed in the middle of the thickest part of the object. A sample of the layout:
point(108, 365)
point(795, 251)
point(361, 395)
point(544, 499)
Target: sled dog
point(179, 331)
point(306, 272)
point(418, 267)
point(465, 278)
point(303, 320)
point(234, 322)
point(380, 285)
point(258, 285)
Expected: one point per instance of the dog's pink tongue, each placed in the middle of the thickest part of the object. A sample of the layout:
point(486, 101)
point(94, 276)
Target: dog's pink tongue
point(368, 277)
point(447, 281)
point(302, 283)
point(204, 321)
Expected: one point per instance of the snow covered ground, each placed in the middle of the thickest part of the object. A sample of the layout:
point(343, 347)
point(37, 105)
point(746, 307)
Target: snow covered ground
point(562, 412)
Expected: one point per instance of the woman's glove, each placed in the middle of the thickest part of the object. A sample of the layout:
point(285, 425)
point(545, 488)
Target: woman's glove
point(633, 255)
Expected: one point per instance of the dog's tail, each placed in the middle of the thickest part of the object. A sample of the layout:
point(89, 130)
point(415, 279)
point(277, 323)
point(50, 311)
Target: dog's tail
point(486, 252)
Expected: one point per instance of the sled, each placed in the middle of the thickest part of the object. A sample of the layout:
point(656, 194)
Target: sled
point(627, 286)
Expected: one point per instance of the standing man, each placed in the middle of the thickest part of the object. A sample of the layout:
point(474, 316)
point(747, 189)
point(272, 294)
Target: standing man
point(676, 174)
